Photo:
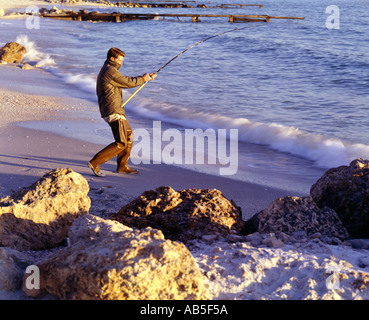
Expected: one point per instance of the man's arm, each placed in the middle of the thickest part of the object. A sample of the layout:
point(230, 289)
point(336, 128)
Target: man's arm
point(126, 82)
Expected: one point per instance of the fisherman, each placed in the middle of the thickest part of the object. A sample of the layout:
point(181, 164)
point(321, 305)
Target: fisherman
point(110, 83)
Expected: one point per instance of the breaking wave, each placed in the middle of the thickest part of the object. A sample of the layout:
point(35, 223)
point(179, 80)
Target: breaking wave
point(33, 55)
point(325, 152)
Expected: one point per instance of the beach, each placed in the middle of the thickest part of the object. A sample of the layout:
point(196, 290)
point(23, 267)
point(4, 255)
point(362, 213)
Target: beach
point(34, 152)
point(294, 271)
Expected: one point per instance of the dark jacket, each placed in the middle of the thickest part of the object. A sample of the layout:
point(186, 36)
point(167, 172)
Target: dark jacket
point(109, 85)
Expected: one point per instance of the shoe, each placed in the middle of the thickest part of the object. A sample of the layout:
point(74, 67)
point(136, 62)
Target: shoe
point(122, 160)
point(127, 170)
point(103, 156)
point(96, 171)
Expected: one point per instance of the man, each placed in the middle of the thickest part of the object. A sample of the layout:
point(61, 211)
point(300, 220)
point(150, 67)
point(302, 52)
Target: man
point(109, 85)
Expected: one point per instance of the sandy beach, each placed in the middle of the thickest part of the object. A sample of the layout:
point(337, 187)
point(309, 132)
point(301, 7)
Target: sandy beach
point(240, 270)
point(28, 154)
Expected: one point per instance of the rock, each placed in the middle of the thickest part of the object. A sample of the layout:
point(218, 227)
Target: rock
point(300, 234)
point(359, 243)
point(209, 237)
point(235, 238)
point(294, 215)
point(273, 242)
point(27, 66)
point(12, 265)
point(363, 262)
point(92, 228)
point(255, 239)
point(12, 52)
point(184, 215)
point(109, 261)
point(43, 11)
point(55, 10)
point(39, 217)
point(346, 190)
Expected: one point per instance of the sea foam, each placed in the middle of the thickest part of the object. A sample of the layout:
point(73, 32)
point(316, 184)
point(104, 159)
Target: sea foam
point(40, 59)
point(325, 152)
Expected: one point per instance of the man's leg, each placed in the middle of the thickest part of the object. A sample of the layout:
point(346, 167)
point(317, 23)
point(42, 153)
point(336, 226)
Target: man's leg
point(122, 160)
point(103, 156)
point(123, 156)
point(122, 132)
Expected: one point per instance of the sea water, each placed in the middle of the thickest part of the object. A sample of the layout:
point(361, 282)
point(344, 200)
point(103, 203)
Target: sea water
point(296, 90)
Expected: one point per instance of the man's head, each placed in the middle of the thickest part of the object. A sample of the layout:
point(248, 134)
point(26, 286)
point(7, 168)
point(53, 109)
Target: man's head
point(116, 55)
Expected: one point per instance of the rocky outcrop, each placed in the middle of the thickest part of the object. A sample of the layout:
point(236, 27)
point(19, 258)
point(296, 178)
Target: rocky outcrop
point(183, 215)
point(12, 52)
point(12, 265)
point(107, 260)
point(291, 214)
point(346, 190)
point(39, 217)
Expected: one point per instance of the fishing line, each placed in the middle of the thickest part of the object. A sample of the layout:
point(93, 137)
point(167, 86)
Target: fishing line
point(211, 37)
point(179, 54)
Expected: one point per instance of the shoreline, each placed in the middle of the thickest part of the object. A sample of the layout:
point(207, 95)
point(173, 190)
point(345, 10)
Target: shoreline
point(80, 119)
point(27, 154)
point(33, 153)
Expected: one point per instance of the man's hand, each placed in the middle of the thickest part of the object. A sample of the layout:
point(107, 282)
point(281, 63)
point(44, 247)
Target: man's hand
point(147, 77)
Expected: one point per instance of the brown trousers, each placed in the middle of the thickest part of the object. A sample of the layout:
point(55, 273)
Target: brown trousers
point(123, 136)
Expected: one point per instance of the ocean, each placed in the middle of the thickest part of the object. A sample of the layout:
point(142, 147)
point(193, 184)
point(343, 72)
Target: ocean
point(296, 91)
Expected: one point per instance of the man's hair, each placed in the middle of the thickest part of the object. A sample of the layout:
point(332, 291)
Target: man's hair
point(115, 53)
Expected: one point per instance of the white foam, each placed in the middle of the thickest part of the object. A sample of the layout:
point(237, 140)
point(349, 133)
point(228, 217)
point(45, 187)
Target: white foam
point(33, 54)
point(85, 82)
point(326, 152)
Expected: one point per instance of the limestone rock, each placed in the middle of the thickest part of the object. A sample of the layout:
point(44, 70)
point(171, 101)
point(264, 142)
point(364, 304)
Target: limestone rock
point(346, 190)
point(109, 261)
point(183, 215)
point(12, 52)
point(359, 243)
point(273, 242)
point(92, 228)
point(27, 66)
point(12, 265)
point(291, 214)
point(39, 216)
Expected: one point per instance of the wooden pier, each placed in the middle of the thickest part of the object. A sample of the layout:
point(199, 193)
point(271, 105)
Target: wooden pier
point(121, 17)
point(180, 4)
point(237, 5)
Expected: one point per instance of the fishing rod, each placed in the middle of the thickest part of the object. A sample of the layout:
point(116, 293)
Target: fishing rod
point(179, 54)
